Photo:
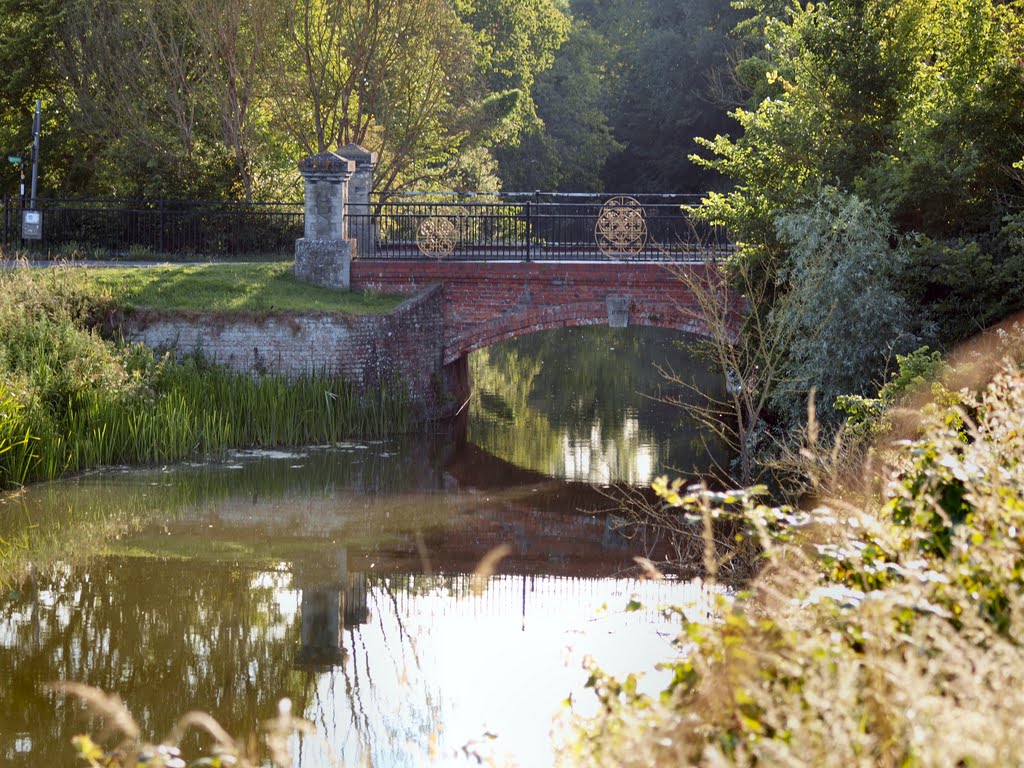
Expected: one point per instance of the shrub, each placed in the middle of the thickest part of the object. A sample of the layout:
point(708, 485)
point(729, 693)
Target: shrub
point(881, 632)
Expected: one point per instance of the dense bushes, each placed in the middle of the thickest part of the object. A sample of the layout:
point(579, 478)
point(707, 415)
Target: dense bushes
point(876, 196)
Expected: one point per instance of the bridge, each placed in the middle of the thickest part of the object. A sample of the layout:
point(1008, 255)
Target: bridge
point(485, 302)
point(478, 270)
point(498, 267)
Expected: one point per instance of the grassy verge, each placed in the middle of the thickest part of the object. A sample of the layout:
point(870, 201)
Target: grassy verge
point(248, 287)
point(70, 399)
point(886, 627)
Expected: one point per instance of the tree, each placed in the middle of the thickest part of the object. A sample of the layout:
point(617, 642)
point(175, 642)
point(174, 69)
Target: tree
point(664, 89)
point(516, 40)
point(242, 39)
point(751, 360)
point(140, 76)
point(569, 150)
point(908, 109)
point(416, 80)
point(386, 74)
point(31, 48)
point(843, 322)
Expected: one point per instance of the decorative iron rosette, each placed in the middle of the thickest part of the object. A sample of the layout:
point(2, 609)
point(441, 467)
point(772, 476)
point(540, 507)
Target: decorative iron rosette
point(437, 236)
point(621, 228)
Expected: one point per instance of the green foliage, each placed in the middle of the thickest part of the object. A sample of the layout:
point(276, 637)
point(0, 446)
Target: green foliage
point(217, 100)
point(516, 39)
point(867, 417)
point(842, 313)
point(671, 84)
point(204, 99)
point(965, 284)
point(569, 151)
point(905, 105)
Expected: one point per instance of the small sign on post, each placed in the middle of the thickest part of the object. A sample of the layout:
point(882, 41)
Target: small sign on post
point(32, 225)
point(14, 159)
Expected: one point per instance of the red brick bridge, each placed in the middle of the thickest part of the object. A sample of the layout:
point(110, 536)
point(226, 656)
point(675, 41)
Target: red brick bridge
point(486, 302)
point(455, 307)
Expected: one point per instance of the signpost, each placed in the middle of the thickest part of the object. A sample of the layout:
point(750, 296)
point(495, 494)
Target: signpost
point(31, 219)
point(37, 125)
point(19, 161)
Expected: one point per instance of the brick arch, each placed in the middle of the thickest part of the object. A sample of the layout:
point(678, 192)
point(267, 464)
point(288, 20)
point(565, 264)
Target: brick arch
point(486, 302)
point(532, 320)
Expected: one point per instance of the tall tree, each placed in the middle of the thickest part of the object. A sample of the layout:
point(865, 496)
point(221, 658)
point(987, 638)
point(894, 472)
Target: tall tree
point(910, 110)
point(667, 91)
point(516, 40)
point(387, 74)
point(140, 75)
point(242, 40)
point(31, 48)
point(568, 151)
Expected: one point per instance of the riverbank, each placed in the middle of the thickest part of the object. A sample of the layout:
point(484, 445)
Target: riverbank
point(71, 399)
point(885, 628)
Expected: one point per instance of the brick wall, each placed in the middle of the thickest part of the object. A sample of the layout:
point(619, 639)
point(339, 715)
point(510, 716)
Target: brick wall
point(366, 349)
point(486, 302)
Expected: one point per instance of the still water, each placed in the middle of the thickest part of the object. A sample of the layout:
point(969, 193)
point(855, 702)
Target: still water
point(340, 576)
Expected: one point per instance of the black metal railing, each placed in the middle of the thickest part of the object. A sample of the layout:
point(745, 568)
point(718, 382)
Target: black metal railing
point(127, 227)
point(412, 226)
point(536, 227)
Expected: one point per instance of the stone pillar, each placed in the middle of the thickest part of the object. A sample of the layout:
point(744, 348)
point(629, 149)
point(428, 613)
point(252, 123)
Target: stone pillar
point(322, 580)
point(324, 255)
point(360, 226)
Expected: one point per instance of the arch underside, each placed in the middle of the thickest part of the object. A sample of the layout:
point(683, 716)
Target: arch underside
point(513, 325)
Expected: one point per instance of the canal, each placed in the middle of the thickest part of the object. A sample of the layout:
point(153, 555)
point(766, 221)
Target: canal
point(346, 578)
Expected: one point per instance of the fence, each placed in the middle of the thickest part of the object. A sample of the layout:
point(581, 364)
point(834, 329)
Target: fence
point(120, 227)
point(532, 226)
point(537, 227)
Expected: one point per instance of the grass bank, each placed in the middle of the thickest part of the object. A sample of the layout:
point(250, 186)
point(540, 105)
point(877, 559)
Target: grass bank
point(249, 287)
point(886, 627)
point(70, 399)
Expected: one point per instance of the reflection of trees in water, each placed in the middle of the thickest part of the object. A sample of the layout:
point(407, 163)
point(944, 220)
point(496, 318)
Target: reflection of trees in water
point(68, 521)
point(572, 400)
point(169, 637)
point(194, 634)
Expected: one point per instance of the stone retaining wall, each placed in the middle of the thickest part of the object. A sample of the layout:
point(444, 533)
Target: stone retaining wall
point(405, 344)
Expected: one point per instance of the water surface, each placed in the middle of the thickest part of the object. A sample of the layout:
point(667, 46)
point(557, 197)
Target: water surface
point(341, 578)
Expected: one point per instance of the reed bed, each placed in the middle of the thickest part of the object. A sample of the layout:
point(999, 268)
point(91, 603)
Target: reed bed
point(71, 400)
point(200, 413)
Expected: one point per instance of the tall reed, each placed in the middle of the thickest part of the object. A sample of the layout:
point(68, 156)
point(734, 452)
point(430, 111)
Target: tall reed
point(70, 400)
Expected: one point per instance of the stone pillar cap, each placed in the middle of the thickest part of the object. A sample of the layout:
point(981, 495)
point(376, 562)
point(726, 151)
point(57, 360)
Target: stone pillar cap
point(359, 154)
point(326, 163)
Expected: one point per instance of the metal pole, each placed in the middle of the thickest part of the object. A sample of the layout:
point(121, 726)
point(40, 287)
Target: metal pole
point(36, 125)
point(160, 235)
point(529, 228)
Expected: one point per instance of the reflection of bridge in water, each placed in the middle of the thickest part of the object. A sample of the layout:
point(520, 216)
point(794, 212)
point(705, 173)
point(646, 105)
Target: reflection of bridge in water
point(349, 548)
point(446, 520)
